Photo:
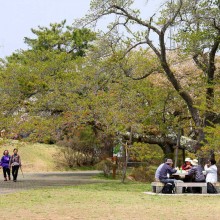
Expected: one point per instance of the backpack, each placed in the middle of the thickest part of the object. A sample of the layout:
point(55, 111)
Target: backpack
point(211, 188)
point(168, 188)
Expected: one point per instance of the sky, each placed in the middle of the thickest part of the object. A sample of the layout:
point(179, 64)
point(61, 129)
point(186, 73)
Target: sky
point(17, 17)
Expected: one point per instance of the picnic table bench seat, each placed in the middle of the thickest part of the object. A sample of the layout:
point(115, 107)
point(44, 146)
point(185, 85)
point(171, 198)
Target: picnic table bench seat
point(180, 185)
point(158, 186)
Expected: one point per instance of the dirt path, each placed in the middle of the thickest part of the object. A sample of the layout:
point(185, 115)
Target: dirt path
point(51, 179)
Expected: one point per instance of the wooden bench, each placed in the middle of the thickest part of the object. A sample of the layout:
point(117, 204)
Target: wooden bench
point(180, 185)
point(157, 187)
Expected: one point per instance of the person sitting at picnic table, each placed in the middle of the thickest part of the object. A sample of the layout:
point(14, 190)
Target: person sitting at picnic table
point(211, 171)
point(187, 164)
point(157, 173)
point(166, 171)
point(196, 172)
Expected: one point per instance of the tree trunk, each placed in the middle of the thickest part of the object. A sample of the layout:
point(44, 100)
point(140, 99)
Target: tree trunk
point(168, 151)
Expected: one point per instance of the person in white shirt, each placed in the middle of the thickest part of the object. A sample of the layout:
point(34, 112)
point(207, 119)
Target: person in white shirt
point(211, 171)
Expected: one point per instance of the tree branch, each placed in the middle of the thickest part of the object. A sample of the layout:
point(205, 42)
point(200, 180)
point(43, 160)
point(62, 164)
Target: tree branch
point(202, 66)
point(212, 54)
point(170, 21)
point(185, 142)
point(131, 17)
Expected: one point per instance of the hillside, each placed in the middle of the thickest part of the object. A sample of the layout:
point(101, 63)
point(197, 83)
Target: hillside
point(34, 157)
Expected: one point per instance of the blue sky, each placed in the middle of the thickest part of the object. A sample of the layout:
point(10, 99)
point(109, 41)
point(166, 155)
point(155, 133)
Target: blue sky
point(17, 17)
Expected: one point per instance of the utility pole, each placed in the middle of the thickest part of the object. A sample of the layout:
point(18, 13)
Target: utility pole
point(177, 147)
point(1, 48)
point(171, 32)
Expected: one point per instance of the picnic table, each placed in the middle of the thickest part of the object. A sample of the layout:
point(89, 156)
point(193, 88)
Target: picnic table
point(158, 186)
point(181, 174)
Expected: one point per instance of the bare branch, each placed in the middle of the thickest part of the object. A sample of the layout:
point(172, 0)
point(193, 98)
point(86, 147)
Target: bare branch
point(131, 17)
point(170, 21)
point(149, 42)
point(141, 77)
point(134, 46)
point(128, 73)
point(201, 65)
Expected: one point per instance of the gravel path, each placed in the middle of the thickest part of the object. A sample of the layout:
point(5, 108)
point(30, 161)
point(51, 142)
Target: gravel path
point(51, 179)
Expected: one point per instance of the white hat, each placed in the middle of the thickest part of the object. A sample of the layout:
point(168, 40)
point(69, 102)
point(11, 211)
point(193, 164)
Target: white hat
point(194, 162)
point(187, 159)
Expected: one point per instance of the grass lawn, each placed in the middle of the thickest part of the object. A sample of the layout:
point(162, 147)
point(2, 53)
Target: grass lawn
point(111, 200)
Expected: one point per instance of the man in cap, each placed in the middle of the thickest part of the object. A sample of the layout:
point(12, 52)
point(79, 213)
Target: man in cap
point(166, 171)
point(157, 173)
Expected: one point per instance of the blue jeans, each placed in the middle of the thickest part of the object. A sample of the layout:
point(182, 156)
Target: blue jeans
point(168, 181)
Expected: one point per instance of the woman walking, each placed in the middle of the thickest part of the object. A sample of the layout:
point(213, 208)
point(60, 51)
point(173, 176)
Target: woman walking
point(5, 165)
point(15, 163)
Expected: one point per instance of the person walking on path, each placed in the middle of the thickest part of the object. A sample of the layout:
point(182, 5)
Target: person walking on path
point(4, 163)
point(15, 163)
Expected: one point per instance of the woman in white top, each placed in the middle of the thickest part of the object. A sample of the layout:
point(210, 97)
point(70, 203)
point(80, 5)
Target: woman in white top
point(211, 171)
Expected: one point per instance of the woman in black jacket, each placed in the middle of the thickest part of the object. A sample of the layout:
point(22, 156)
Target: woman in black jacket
point(15, 163)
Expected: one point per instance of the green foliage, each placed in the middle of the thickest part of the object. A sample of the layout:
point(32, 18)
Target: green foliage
point(143, 173)
point(196, 26)
point(61, 38)
point(213, 140)
point(79, 145)
point(106, 166)
point(81, 87)
point(152, 154)
point(56, 91)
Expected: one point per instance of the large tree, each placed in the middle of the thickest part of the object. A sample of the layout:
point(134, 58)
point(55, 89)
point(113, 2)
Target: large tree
point(40, 81)
point(50, 91)
point(196, 34)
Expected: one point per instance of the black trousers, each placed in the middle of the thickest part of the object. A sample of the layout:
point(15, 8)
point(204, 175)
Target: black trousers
point(6, 171)
point(15, 172)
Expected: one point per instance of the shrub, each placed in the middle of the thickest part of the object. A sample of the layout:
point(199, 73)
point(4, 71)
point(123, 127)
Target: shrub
point(143, 174)
point(106, 166)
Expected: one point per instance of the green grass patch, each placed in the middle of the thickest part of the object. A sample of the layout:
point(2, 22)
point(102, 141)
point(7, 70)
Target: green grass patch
point(111, 200)
point(117, 186)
